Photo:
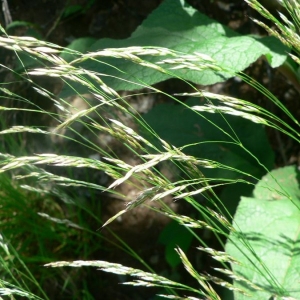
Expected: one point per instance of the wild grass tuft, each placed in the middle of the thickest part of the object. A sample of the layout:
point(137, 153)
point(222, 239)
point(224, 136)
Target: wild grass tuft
point(33, 201)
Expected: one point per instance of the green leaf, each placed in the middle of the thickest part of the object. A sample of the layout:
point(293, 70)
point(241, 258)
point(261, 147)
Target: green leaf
point(181, 126)
point(231, 196)
point(176, 25)
point(24, 60)
point(267, 237)
point(71, 10)
point(29, 29)
point(77, 47)
point(175, 235)
point(270, 186)
point(277, 53)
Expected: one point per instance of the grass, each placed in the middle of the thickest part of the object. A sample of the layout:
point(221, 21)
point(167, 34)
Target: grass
point(43, 223)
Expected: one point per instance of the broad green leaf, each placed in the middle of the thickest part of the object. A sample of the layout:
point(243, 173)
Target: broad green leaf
point(181, 126)
point(72, 9)
point(177, 26)
point(231, 196)
point(280, 184)
point(30, 29)
point(175, 235)
point(267, 237)
point(24, 59)
point(78, 46)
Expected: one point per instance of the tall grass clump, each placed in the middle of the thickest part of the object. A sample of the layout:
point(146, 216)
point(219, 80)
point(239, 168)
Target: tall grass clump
point(215, 146)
